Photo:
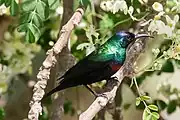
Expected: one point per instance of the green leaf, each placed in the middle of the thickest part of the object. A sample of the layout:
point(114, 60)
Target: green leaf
point(171, 106)
point(14, 8)
point(138, 100)
point(161, 104)
point(168, 67)
point(155, 115)
point(53, 4)
point(144, 97)
point(153, 107)
point(25, 17)
point(106, 23)
point(7, 3)
point(2, 1)
point(35, 31)
point(146, 114)
point(30, 37)
point(37, 20)
point(149, 117)
point(41, 10)
point(84, 3)
point(46, 12)
point(23, 27)
point(2, 113)
point(28, 5)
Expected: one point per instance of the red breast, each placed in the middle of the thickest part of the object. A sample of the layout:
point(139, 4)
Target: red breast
point(115, 67)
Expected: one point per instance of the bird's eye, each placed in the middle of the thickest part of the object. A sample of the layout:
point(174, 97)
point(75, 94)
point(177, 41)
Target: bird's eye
point(128, 37)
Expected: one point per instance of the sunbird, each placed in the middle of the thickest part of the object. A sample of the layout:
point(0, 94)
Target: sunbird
point(101, 64)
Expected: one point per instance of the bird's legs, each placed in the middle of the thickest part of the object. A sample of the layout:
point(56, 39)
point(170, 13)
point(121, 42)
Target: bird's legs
point(96, 94)
point(113, 78)
point(92, 91)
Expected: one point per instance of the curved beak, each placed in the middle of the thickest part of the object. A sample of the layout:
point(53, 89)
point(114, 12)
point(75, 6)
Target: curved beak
point(142, 35)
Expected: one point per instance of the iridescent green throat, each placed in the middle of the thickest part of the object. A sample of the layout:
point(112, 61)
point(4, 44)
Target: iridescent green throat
point(114, 49)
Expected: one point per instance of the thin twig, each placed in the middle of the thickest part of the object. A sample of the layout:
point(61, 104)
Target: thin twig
point(48, 64)
point(126, 70)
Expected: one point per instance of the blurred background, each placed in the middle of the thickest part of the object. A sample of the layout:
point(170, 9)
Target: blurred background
point(23, 49)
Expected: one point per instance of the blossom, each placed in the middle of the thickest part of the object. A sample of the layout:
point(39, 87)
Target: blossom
point(59, 10)
point(120, 5)
point(106, 5)
point(172, 23)
point(114, 6)
point(158, 16)
point(157, 7)
point(2, 9)
point(160, 27)
point(130, 11)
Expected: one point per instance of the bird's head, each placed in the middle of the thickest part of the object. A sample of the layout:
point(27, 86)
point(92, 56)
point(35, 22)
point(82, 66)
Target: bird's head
point(127, 37)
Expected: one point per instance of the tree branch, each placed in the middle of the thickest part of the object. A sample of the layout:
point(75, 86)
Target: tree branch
point(126, 70)
point(48, 64)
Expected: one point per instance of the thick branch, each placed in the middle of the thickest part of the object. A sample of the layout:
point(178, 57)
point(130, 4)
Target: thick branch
point(48, 64)
point(126, 70)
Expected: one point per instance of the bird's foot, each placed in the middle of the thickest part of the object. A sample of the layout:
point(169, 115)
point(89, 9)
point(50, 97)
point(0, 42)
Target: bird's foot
point(113, 78)
point(101, 95)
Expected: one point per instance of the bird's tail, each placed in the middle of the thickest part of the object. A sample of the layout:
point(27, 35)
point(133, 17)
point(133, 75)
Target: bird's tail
point(58, 88)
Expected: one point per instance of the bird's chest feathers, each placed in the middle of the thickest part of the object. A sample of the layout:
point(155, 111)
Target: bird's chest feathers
point(119, 55)
point(115, 66)
point(109, 53)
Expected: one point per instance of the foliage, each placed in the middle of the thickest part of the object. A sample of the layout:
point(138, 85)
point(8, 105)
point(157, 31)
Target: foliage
point(33, 13)
point(14, 8)
point(15, 57)
point(2, 113)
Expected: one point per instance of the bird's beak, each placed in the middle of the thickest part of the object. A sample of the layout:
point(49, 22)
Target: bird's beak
point(142, 35)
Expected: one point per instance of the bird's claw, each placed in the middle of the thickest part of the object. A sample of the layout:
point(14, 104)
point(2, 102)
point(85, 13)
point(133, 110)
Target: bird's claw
point(114, 78)
point(101, 95)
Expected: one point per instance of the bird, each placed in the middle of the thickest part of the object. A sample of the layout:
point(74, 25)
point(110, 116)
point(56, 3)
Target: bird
point(99, 65)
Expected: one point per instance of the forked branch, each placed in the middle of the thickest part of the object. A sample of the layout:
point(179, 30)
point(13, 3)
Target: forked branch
point(49, 62)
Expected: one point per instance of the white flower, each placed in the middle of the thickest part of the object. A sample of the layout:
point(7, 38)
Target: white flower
point(155, 25)
point(158, 16)
point(2, 9)
point(109, 5)
point(172, 23)
point(106, 5)
point(160, 27)
point(157, 7)
point(166, 30)
point(114, 6)
point(131, 11)
point(120, 5)
point(155, 51)
point(82, 25)
point(103, 5)
point(59, 10)
point(51, 43)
